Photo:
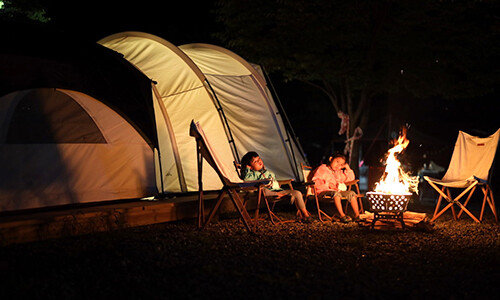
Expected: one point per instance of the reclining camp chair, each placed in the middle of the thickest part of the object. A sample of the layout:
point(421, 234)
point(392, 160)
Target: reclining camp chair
point(308, 173)
point(268, 200)
point(230, 180)
point(470, 167)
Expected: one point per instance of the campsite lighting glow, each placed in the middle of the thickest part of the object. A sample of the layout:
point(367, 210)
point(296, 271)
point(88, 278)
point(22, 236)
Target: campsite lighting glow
point(395, 180)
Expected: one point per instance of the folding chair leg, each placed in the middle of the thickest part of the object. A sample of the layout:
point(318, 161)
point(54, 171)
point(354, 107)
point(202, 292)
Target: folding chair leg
point(214, 209)
point(472, 188)
point(492, 204)
point(451, 201)
point(360, 205)
point(320, 212)
point(325, 215)
point(272, 216)
point(468, 212)
point(488, 197)
point(447, 197)
point(257, 209)
point(201, 210)
point(483, 205)
point(452, 207)
point(201, 202)
point(247, 220)
point(467, 201)
point(438, 204)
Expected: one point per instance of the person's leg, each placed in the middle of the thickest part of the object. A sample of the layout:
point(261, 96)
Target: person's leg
point(299, 199)
point(354, 205)
point(296, 197)
point(353, 199)
point(338, 205)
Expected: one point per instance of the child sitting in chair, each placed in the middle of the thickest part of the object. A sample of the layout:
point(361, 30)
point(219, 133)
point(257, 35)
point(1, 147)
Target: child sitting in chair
point(252, 168)
point(330, 179)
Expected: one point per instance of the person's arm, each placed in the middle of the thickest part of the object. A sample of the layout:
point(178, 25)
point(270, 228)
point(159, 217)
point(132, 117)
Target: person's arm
point(349, 174)
point(322, 180)
point(250, 175)
point(275, 186)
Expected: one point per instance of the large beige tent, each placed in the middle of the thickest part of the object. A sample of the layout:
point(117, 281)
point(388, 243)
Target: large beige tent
point(253, 118)
point(219, 89)
point(184, 97)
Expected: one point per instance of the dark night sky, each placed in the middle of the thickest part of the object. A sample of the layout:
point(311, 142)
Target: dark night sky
point(434, 122)
point(179, 23)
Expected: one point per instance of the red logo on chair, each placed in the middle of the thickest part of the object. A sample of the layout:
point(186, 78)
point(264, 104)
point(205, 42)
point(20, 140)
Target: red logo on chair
point(482, 144)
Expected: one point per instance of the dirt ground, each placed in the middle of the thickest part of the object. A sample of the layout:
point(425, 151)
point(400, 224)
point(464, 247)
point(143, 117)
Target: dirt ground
point(453, 260)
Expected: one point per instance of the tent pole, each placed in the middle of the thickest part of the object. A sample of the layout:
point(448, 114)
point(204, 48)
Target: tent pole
point(180, 173)
point(226, 124)
point(286, 142)
point(288, 124)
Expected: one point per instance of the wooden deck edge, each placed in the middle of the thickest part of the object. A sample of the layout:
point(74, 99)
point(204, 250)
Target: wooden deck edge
point(79, 222)
point(73, 222)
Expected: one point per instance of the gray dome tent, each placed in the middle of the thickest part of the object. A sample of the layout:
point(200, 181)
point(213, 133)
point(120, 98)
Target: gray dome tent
point(76, 123)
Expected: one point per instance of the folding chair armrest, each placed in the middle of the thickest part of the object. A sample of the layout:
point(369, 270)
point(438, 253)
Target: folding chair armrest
point(352, 182)
point(286, 182)
point(249, 188)
point(251, 183)
point(308, 183)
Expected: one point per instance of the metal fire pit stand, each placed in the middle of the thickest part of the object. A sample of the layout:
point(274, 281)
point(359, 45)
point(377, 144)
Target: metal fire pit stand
point(387, 215)
point(388, 206)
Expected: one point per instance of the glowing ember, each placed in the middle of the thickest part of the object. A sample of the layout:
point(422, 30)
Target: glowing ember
point(395, 180)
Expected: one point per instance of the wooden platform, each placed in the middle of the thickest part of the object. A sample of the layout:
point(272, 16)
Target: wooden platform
point(72, 221)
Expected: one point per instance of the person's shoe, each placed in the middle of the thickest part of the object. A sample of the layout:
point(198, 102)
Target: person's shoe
point(307, 220)
point(345, 219)
point(357, 219)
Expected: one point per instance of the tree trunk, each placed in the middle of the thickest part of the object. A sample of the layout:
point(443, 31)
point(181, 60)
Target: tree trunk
point(361, 120)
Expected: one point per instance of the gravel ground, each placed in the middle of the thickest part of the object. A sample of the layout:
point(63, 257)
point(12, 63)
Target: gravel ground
point(455, 260)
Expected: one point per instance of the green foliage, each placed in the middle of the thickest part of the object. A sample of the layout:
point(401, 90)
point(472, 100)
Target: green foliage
point(23, 11)
point(357, 51)
point(425, 47)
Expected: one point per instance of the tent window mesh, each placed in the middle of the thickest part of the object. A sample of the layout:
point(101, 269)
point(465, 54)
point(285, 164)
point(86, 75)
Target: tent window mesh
point(46, 116)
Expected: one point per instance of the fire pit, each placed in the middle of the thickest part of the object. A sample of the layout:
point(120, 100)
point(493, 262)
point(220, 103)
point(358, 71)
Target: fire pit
point(392, 193)
point(387, 206)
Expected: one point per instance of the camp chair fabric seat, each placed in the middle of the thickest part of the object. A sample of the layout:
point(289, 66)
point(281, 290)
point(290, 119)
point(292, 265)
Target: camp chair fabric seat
point(453, 184)
point(470, 167)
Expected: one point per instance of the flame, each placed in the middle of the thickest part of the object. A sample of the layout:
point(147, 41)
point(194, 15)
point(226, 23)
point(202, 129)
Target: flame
point(395, 180)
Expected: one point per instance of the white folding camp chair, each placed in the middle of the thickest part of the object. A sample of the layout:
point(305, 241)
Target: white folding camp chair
point(470, 167)
point(230, 180)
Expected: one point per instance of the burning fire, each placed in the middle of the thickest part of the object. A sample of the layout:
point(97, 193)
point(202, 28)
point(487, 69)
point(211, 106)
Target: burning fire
point(395, 180)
